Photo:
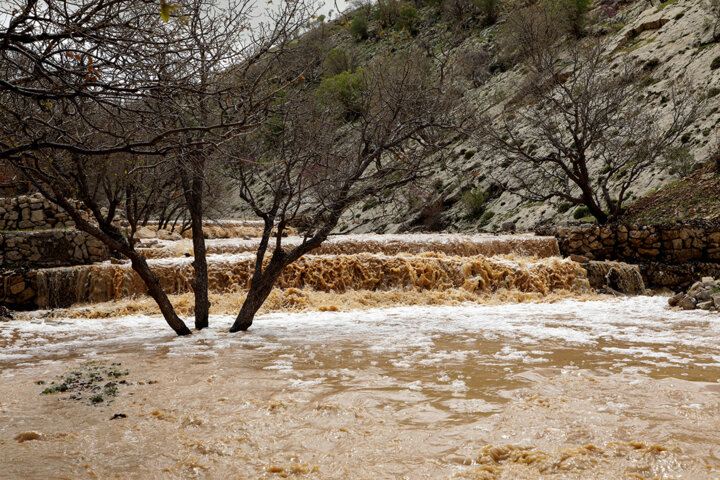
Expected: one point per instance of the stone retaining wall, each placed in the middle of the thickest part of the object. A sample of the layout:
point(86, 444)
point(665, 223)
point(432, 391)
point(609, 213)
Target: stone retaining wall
point(667, 243)
point(672, 255)
point(27, 212)
point(49, 248)
point(18, 289)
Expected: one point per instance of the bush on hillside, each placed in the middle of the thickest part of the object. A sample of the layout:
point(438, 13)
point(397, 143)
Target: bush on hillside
point(359, 26)
point(715, 64)
point(489, 10)
point(581, 212)
point(347, 89)
point(474, 201)
point(339, 60)
point(679, 160)
point(407, 19)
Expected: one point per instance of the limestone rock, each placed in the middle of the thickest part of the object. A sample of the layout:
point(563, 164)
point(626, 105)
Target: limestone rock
point(675, 299)
point(166, 235)
point(705, 305)
point(687, 303)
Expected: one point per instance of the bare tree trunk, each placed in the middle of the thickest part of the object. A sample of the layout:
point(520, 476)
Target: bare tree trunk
point(595, 209)
point(200, 286)
point(193, 184)
point(157, 293)
point(260, 289)
point(139, 264)
point(256, 296)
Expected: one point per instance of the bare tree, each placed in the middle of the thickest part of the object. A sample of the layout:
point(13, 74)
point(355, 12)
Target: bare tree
point(216, 90)
point(85, 87)
point(583, 132)
point(312, 161)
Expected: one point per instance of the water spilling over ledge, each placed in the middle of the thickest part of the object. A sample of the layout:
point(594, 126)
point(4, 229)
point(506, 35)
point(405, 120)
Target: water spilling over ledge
point(61, 287)
point(450, 244)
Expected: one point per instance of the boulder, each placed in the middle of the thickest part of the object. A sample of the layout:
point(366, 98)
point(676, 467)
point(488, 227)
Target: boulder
point(145, 232)
point(5, 314)
point(675, 299)
point(687, 303)
point(167, 235)
point(705, 305)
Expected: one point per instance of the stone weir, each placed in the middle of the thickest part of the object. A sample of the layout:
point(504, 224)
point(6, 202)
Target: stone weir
point(480, 264)
point(36, 234)
point(230, 274)
point(671, 255)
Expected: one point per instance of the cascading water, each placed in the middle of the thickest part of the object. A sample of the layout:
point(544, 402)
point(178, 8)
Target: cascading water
point(412, 262)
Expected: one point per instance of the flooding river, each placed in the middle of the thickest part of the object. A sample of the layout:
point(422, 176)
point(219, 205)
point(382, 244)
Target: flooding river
point(574, 389)
point(461, 357)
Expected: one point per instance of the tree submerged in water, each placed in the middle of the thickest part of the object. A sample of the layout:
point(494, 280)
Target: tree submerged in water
point(314, 161)
point(111, 109)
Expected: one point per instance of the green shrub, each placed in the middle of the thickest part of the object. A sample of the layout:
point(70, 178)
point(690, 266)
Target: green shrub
point(474, 201)
point(487, 216)
point(574, 11)
point(345, 88)
point(386, 12)
point(581, 212)
point(651, 64)
point(337, 61)
point(713, 91)
point(407, 19)
point(469, 154)
point(564, 207)
point(359, 26)
point(489, 10)
point(370, 203)
point(715, 64)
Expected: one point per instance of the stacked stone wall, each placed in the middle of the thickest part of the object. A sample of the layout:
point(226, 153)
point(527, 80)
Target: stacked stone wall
point(32, 212)
point(49, 248)
point(670, 255)
point(18, 289)
point(665, 243)
point(35, 233)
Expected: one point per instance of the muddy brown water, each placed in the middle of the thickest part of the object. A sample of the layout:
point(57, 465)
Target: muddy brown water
point(501, 367)
point(596, 389)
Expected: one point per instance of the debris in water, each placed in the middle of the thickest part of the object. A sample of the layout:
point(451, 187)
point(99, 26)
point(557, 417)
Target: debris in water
point(28, 436)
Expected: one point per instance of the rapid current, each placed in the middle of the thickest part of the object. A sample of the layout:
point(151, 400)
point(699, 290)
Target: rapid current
point(378, 357)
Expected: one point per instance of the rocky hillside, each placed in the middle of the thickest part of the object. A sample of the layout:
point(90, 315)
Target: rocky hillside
point(671, 40)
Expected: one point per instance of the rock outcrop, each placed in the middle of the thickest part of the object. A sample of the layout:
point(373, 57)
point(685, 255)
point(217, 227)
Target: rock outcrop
point(703, 295)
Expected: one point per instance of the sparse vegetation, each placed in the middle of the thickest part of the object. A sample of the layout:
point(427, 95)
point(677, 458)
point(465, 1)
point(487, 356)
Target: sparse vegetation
point(679, 160)
point(474, 201)
point(715, 64)
point(359, 26)
point(581, 212)
point(94, 381)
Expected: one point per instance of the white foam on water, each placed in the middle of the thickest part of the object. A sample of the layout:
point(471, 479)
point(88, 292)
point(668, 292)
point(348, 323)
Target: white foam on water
point(644, 325)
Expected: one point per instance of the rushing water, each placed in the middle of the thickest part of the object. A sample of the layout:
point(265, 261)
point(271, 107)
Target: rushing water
point(447, 380)
point(597, 389)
